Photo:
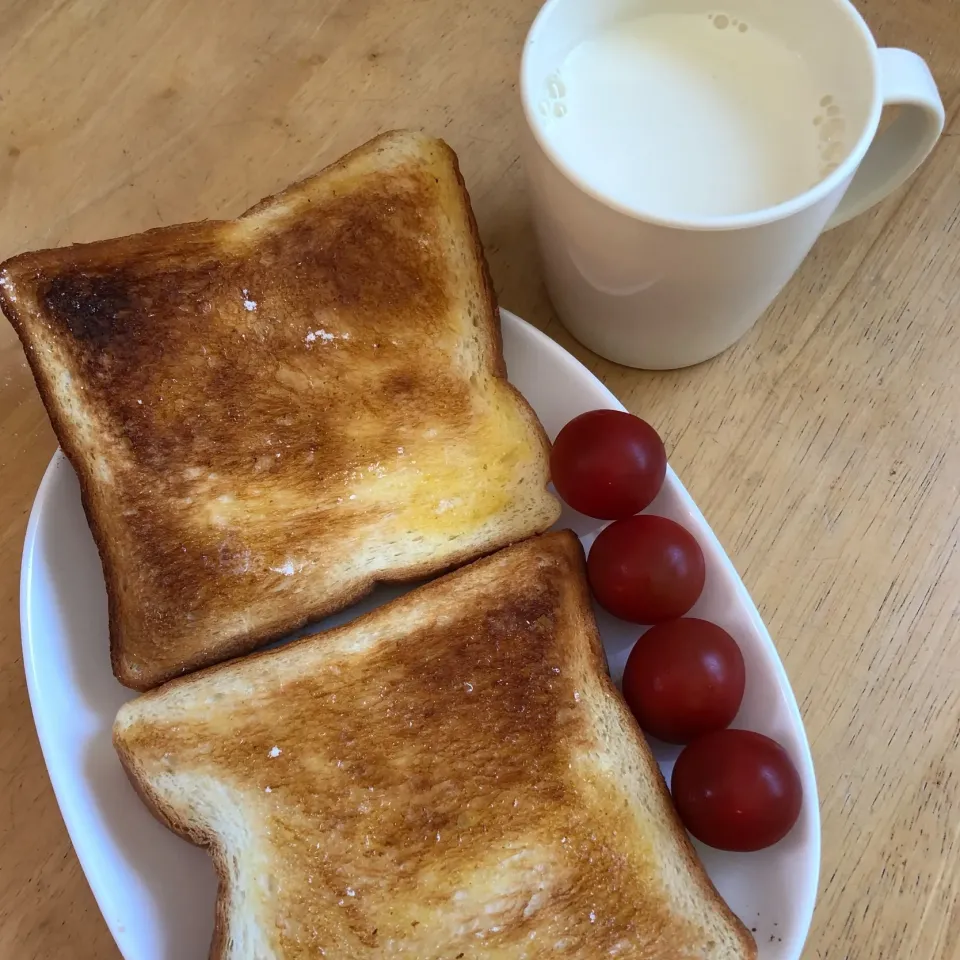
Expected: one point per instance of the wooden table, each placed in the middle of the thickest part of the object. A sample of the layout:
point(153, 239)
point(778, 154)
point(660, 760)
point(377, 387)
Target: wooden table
point(824, 448)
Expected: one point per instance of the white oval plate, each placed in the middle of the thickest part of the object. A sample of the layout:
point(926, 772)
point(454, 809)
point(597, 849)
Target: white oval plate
point(157, 892)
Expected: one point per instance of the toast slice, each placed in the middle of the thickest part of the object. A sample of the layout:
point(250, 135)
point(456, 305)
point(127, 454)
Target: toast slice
point(269, 415)
point(452, 775)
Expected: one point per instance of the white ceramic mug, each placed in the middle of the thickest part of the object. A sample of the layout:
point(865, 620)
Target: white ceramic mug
point(659, 293)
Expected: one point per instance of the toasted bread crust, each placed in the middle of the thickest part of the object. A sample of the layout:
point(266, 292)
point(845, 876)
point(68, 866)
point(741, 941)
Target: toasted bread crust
point(507, 623)
point(86, 314)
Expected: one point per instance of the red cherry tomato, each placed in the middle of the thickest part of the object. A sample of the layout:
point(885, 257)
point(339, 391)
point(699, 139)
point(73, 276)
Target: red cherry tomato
point(736, 790)
point(684, 678)
point(646, 569)
point(608, 464)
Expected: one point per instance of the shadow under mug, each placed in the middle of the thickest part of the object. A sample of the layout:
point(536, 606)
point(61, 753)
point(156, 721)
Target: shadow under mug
point(657, 293)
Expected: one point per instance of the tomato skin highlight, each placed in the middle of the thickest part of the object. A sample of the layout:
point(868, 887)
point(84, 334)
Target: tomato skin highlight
point(736, 790)
point(683, 679)
point(646, 569)
point(608, 464)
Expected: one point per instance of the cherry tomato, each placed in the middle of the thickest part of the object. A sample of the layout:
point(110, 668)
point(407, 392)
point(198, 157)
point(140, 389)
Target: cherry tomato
point(608, 464)
point(646, 569)
point(736, 790)
point(684, 678)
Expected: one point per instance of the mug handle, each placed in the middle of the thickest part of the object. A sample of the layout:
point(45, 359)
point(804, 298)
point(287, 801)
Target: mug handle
point(906, 82)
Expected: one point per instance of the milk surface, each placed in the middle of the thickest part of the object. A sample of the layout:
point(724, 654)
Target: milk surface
point(692, 115)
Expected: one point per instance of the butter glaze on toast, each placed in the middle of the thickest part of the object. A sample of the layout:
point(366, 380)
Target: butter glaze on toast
point(452, 775)
point(269, 415)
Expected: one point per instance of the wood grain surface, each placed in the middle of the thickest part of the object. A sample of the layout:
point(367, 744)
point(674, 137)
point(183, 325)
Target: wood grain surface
point(824, 448)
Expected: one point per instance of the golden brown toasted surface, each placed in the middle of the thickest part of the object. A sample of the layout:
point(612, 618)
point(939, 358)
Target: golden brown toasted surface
point(268, 415)
point(435, 781)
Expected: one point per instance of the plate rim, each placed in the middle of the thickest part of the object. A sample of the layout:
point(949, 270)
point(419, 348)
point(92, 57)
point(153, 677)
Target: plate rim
point(61, 782)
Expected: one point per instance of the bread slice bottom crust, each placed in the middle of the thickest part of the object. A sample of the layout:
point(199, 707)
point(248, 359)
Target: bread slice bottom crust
point(451, 775)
